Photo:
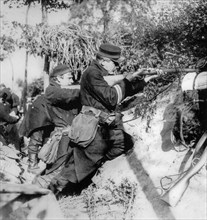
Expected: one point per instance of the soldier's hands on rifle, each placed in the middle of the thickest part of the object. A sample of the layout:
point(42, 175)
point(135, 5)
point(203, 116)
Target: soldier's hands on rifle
point(147, 74)
point(139, 73)
point(152, 74)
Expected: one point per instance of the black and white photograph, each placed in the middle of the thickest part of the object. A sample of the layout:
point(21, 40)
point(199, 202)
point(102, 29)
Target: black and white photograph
point(103, 109)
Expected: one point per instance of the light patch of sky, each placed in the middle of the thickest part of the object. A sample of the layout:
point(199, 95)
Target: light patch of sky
point(13, 68)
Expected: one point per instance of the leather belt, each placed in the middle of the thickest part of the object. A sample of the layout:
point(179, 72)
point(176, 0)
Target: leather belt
point(103, 116)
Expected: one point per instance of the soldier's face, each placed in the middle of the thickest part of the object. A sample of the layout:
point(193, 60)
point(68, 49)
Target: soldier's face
point(66, 79)
point(109, 65)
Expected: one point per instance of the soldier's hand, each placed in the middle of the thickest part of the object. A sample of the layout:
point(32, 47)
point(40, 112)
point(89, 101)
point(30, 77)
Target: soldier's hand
point(148, 78)
point(159, 72)
point(136, 74)
point(139, 72)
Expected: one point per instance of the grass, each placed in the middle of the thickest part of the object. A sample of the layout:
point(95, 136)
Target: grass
point(108, 200)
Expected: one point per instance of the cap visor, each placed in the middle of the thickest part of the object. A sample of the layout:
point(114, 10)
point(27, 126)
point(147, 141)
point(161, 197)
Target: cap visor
point(113, 58)
point(120, 60)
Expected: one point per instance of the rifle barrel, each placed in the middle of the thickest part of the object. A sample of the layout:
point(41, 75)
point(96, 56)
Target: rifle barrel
point(165, 70)
point(180, 70)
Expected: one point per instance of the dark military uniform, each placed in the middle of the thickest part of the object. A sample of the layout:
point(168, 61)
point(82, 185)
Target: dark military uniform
point(55, 109)
point(5, 118)
point(36, 117)
point(203, 107)
point(64, 106)
point(109, 141)
point(12, 129)
point(200, 84)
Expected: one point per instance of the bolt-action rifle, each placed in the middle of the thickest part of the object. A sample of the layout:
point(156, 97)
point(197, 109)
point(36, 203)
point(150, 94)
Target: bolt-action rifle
point(175, 193)
point(112, 79)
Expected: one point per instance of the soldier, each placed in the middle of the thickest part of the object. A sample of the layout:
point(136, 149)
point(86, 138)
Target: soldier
point(53, 110)
point(201, 86)
point(6, 116)
point(13, 99)
point(97, 133)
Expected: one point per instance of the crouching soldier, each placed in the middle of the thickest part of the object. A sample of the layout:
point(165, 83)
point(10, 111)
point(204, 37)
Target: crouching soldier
point(191, 120)
point(50, 113)
point(201, 86)
point(6, 116)
point(64, 105)
point(97, 133)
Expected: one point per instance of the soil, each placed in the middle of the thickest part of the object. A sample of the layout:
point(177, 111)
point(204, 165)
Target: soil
point(147, 170)
point(132, 185)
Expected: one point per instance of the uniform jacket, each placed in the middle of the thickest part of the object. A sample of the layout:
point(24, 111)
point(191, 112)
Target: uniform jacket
point(10, 98)
point(56, 107)
point(5, 118)
point(64, 104)
point(96, 92)
point(36, 117)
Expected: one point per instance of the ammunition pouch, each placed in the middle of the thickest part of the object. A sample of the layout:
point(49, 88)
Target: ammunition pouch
point(85, 124)
point(84, 127)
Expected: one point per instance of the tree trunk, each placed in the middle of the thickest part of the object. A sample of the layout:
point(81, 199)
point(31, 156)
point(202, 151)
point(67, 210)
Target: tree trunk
point(44, 11)
point(46, 58)
point(105, 7)
point(106, 24)
point(25, 84)
point(24, 95)
point(46, 71)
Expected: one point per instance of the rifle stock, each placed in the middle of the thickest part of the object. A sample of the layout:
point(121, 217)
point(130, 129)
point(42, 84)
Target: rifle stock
point(175, 193)
point(110, 79)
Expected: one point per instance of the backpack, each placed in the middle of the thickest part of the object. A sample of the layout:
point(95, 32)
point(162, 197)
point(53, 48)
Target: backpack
point(189, 126)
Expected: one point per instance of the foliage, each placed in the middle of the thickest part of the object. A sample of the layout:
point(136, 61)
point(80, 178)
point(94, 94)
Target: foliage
point(113, 15)
point(172, 38)
point(67, 44)
point(50, 4)
point(7, 46)
point(110, 201)
point(194, 28)
point(181, 30)
point(8, 40)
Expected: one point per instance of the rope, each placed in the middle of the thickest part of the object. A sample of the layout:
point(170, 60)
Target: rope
point(171, 180)
point(194, 161)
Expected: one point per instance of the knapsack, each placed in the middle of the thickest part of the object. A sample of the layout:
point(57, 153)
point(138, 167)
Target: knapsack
point(189, 126)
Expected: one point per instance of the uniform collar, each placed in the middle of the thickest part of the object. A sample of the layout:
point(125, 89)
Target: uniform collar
point(53, 83)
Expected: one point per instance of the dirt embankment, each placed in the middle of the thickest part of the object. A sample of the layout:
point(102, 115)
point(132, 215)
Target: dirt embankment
point(129, 187)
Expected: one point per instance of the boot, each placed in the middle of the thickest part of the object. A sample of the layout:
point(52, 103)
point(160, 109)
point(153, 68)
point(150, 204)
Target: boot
point(33, 163)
